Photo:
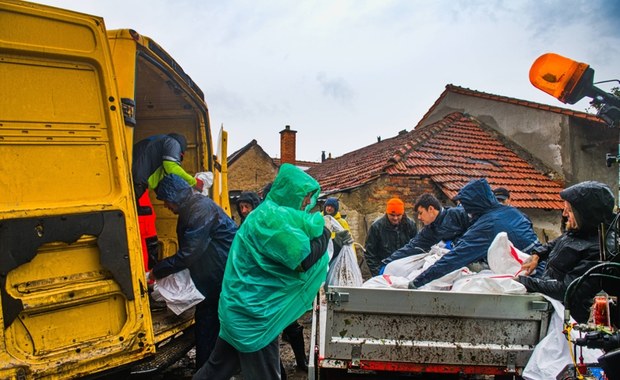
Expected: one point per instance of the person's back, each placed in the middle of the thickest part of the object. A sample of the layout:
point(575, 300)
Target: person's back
point(267, 285)
point(489, 218)
point(587, 206)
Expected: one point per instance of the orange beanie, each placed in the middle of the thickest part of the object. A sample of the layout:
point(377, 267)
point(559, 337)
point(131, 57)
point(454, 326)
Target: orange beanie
point(395, 206)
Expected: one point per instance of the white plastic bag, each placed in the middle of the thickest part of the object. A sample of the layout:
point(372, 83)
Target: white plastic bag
point(179, 291)
point(489, 283)
point(207, 179)
point(387, 281)
point(552, 353)
point(412, 266)
point(344, 271)
point(332, 224)
point(503, 257)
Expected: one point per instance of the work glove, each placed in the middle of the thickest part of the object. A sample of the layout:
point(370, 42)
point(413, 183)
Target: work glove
point(199, 185)
point(382, 269)
point(343, 238)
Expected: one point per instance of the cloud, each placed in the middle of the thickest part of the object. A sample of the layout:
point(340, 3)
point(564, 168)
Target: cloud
point(335, 88)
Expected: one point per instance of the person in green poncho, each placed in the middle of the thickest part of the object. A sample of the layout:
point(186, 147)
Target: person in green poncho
point(276, 264)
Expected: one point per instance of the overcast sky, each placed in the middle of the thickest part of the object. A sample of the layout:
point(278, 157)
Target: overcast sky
point(341, 73)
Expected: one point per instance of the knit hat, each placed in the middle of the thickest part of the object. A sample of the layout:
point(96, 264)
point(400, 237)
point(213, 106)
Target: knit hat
point(501, 193)
point(395, 206)
point(331, 202)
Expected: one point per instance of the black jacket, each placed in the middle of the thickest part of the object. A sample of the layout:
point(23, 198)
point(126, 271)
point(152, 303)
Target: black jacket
point(450, 225)
point(384, 238)
point(574, 252)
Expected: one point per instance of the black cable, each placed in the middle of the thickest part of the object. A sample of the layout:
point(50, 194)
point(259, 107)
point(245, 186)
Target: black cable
point(578, 281)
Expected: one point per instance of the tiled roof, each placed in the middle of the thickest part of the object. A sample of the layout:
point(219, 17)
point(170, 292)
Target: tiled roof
point(505, 99)
point(451, 152)
point(302, 164)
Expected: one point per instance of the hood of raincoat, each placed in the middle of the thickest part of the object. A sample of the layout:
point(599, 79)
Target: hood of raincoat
point(477, 197)
point(264, 290)
point(592, 203)
point(291, 187)
point(173, 188)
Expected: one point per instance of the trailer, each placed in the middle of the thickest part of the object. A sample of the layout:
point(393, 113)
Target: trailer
point(395, 331)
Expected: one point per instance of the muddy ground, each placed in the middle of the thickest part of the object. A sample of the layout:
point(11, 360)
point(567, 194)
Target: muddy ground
point(184, 368)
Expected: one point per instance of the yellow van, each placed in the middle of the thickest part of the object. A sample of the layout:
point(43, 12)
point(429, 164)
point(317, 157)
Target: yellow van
point(73, 100)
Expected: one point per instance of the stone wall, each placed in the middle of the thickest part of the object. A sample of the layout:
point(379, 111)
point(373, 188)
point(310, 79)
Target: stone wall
point(251, 171)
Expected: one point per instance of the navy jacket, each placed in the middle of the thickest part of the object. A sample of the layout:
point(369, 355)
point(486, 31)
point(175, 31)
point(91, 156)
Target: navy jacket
point(490, 218)
point(205, 235)
point(450, 224)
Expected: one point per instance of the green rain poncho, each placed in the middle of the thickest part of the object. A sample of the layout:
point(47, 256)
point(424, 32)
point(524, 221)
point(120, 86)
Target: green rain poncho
point(263, 292)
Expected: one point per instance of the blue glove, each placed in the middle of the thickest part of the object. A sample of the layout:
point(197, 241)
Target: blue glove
point(382, 269)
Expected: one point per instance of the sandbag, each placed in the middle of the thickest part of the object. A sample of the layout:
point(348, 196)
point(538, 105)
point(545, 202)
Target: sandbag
point(503, 257)
point(489, 283)
point(344, 270)
point(178, 290)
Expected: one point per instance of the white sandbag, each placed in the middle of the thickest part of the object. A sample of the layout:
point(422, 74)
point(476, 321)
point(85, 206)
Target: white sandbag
point(446, 282)
point(405, 266)
point(179, 291)
point(344, 270)
point(503, 257)
point(489, 283)
point(332, 224)
point(552, 354)
point(387, 281)
point(412, 266)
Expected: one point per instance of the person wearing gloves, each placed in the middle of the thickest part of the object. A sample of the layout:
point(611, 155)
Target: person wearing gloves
point(276, 265)
point(489, 218)
point(446, 224)
point(340, 238)
point(153, 158)
point(246, 203)
point(205, 234)
point(587, 206)
point(387, 234)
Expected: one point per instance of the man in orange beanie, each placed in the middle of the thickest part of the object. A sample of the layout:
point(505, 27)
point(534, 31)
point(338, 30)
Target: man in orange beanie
point(387, 234)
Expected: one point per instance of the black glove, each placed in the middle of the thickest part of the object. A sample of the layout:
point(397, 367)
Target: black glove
point(343, 238)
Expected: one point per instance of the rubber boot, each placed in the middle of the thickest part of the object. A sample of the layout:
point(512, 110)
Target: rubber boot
point(294, 334)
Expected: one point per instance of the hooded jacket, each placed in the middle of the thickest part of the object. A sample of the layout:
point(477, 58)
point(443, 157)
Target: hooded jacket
point(490, 218)
point(450, 224)
point(249, 197)
point(205, 235)
point(156, 156)
point(574, 252)
point(264, 287)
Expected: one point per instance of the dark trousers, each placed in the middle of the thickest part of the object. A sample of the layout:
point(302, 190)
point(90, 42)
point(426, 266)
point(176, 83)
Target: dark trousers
point(225, 361)
point(207, 328)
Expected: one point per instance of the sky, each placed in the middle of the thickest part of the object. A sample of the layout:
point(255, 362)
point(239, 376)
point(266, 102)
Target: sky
point(343, 72)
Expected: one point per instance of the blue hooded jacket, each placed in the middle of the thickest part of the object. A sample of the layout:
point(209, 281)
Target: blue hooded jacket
point(490, 218)
point(205, 235)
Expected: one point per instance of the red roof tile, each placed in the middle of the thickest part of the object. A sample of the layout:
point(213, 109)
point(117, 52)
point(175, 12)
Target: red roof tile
point(451, 152)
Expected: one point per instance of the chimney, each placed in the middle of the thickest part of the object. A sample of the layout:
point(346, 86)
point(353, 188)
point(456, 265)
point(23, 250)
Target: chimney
point(323, 156)
point(287, 145)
